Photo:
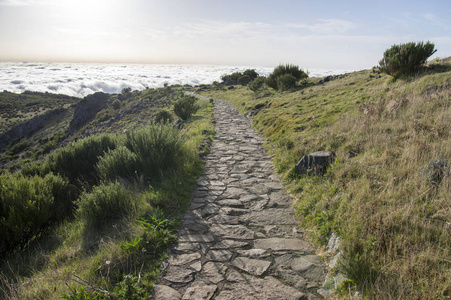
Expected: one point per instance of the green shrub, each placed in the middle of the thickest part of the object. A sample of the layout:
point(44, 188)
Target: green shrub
point(120, 162)
point(186, 107)
point(28, 205)
point(234, 76)
point(116, 104)
point(273, 82)
point(164, 116)
point(286, 82)
point(406, 58)
point(77, 160)
point(157, 148)
point(105, 204)
point(244, 80)
point(251, 73)
point(257, 84)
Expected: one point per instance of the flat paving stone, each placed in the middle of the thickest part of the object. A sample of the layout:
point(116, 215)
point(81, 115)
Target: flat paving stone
point(238, 232)
point(253, 266)
point(164, 292)
point(270, 216)
point(283, 244)
point(219, 255)
point(182, 259)
point(200, 290)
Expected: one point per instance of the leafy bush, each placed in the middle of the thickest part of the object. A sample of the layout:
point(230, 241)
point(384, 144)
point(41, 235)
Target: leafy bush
point(164, 116)
point(297, 73)
point(186, 107)
point(234, 76)
point(406, 58)
point(257, 84)
point(157, 148)
point(244, 80)
point(120, 162)
point(77, 161)
point(29, 205)
point(286, 82)
point(251, 73)
point(105, 204)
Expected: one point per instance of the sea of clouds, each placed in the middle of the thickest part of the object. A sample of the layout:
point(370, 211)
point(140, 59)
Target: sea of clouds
point(81, 79)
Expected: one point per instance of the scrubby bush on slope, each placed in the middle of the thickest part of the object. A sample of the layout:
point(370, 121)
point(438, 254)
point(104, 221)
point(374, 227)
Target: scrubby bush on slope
point(105, 204)
point(28, 205)
point(277, 82)
point(406, 58)
point(185, 107)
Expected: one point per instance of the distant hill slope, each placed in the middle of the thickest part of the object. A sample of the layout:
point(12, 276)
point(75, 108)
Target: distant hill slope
point(387, 194)
point(32, 124)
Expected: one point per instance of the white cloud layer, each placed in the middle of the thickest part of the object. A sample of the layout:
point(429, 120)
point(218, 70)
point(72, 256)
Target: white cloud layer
point(79, 80)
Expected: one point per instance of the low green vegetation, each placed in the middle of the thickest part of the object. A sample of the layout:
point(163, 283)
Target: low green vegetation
point(16, 108)
point(383, 195)
point(94, 219)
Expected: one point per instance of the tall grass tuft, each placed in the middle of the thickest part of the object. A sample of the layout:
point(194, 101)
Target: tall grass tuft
point(157, 149)
point(105, 204)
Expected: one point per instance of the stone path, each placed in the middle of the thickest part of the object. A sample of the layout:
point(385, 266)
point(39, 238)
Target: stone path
point(239, 238)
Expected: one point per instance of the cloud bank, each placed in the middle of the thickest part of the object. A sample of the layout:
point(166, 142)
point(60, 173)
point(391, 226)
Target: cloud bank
point(76, 79)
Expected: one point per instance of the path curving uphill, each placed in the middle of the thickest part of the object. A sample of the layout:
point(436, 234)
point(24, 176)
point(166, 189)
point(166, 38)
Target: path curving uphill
point(239, 238)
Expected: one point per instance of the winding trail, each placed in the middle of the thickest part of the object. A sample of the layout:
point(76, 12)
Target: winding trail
point(239, 238)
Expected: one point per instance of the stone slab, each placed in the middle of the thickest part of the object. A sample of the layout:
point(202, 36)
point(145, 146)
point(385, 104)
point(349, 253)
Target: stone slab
point(164, 292)
point(253, 266)
point(200, 290)
point(278, 244)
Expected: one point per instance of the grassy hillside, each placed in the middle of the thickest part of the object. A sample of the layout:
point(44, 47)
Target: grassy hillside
point(387, 195)
point(126, 111)
point(93, 219)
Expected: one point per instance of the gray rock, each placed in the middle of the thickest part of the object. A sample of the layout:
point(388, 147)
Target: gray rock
point(270, 216)
point(182, 259)
point(200, 290)
point(278, 244)
point(200, 238)
point(219, 255)
point(248, 287)
point(164, 292)
point(253, 266)
point(308, 266)
point(315, 163)
point(238, 232)
point(177, 274)
point(254, 253)
point(230, 244)
point(214, 272)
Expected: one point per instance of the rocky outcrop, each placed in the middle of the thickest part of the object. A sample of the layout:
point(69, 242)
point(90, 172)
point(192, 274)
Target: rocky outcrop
point(315, 163)
point(28, 127)
point(86, 110)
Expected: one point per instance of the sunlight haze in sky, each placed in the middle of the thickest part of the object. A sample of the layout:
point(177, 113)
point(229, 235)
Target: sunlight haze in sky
point(312, 34)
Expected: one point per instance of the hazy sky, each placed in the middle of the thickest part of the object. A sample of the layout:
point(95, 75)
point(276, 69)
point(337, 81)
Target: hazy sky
point(328, 34)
